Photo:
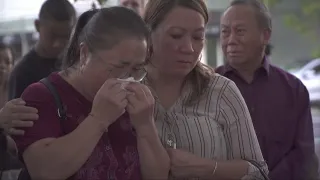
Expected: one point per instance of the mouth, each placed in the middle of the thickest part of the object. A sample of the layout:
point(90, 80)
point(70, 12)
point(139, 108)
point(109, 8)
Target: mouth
point(234, 54)
point(184, 62)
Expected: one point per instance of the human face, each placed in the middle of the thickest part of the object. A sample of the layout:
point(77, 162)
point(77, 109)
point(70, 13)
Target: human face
point(6, 62)
point(113, 63)
point(136, 5)
point(54, 36)
point(243, 40)
point(177, 43)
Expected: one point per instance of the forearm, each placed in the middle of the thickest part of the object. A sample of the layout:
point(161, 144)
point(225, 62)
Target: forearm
point(154, 160)
point(225, 170)
point(60, 158)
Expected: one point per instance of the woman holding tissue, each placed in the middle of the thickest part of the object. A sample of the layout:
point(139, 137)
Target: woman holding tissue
point(108, 132)
point(200, 116)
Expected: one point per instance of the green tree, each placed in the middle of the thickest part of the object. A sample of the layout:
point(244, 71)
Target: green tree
point(305, 19)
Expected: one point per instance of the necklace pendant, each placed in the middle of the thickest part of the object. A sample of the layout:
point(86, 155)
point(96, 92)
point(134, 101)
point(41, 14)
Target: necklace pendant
point(171, 144)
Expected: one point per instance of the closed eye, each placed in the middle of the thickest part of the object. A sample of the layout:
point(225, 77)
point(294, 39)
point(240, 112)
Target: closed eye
point(176, 36)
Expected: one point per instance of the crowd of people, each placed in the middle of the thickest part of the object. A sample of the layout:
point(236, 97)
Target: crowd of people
point(121, 93)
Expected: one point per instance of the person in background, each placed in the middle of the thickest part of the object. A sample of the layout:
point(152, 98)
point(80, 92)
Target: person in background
point(56, 19)
point(6, 63)
point(201, 116)
point(278, 102)
point(135, 5)
point(110, 127)
point(10, 167)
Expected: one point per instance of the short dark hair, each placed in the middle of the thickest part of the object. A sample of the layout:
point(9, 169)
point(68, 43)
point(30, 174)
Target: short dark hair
point(59, 10)
point(105, 29)
point(263, 13)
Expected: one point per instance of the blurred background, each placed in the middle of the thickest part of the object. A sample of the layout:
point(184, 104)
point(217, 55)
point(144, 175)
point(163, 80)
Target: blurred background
point(295, 38)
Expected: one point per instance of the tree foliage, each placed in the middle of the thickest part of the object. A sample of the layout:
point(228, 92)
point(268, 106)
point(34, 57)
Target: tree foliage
point(305, 19)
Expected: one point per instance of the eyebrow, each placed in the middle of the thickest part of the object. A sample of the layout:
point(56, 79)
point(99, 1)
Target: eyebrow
point(126, 63)
point(180, 28)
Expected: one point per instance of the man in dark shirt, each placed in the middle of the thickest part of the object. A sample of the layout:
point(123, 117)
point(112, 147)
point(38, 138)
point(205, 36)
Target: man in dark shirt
point(278, 102)
point(56, 19)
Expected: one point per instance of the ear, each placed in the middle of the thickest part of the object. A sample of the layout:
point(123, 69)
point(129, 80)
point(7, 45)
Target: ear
point(84, 54)
point(37, 25)
point(266, 36)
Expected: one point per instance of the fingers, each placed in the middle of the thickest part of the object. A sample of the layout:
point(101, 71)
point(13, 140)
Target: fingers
point(25, 116)
point(132, 99)
point(17, 101)
point(23, 109)
point(147, 92)
point(110, 83)
point(136, 89)
point(21, 124)
point(16, 132)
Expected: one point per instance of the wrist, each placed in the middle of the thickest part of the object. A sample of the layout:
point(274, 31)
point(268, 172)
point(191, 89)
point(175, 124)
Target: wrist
point(206, 169)
point(146, 130)
point(98, 123)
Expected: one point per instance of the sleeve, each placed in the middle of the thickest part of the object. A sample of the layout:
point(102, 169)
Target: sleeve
point(241, 139)
point(48, 125)
point(17, 84)
point(302, 160)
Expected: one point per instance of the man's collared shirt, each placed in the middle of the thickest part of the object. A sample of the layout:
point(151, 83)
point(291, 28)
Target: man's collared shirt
point(279, 106)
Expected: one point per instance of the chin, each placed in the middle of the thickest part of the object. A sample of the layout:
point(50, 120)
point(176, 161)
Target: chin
point(236, 61)
point(180, 73)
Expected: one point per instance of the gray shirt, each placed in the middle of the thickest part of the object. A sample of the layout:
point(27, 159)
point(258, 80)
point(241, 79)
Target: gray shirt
point(217, 127)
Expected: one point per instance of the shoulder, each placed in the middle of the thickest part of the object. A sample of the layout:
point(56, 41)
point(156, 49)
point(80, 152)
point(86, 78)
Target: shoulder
point(36, 92)
point(221, 88)
point(224, 90)
point(220, 83)
point(219, 69)
point(292, 83)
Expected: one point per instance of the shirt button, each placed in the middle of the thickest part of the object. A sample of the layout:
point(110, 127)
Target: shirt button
point(252, 109)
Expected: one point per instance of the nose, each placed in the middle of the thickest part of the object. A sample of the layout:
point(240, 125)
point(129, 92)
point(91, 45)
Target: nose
point(232, 39)
point(187, 46)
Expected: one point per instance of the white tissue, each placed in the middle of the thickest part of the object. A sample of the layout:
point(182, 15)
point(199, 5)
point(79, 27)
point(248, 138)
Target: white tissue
point(125, 82)
point(129, 79)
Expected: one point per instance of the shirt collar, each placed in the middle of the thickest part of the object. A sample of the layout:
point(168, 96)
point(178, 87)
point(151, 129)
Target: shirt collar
point(264, 66)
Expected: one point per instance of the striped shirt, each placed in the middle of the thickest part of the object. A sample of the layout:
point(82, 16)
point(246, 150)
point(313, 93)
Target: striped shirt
point(217, 127)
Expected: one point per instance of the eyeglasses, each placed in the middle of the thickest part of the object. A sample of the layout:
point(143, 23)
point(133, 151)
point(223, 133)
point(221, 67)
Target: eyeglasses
point(137, 73)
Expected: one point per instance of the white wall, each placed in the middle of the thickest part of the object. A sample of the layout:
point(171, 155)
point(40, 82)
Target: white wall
point(19, 9)
point(204, 55)
point(217, 4)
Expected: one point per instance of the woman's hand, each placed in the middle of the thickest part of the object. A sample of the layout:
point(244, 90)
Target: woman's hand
point(15, 115)
point(187, 165)
point(109, 103)
point(140, 106)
